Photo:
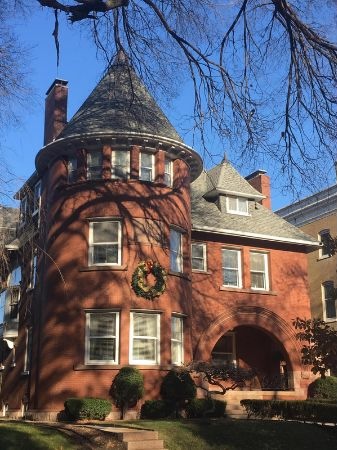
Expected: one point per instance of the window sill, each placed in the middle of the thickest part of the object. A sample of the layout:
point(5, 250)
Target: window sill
point(205, 272)
point(247, 291)
point(331, 319)
point(321, 258)
point(104, 268)
point(79, 367)
point(179, 274)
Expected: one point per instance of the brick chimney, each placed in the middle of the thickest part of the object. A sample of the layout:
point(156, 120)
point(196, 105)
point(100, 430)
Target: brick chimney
point(55, 110)
point(261, 182)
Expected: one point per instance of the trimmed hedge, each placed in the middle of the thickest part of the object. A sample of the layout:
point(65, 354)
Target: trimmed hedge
point(323, 388)
point(87, 408)
point(156, 409)
point(127, 388)
point(178, 388)
point(291, 410)
point(205, 407)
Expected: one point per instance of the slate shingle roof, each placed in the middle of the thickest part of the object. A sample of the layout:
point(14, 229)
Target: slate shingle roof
point(224, 178)
point(120, 103)
point(261, 222)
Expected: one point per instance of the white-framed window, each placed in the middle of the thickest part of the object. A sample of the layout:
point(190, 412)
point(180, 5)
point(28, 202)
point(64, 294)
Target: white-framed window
point(105, 238)
point(237, 205)
point(146, 166)
point(102, 337)
point(176, 250)
point(72, 169)
point(177, 340)
point(36, 198)
point(94, 165)
point(329, 301)
point(120, 164)
point(231, 267)
point(259, 271)
point(223, 352)
point(144, 338)
point(324, 237)
point(168, 172)
point(198, 251)
point(28, 350)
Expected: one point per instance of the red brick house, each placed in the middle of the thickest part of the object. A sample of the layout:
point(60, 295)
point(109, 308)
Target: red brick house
point(116, 186)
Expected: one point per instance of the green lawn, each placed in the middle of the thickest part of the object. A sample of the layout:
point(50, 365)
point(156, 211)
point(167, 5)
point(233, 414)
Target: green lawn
point(241, 434)
point(20, 436)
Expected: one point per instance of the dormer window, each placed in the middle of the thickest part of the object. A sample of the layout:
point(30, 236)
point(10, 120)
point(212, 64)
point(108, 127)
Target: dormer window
point(237, 205)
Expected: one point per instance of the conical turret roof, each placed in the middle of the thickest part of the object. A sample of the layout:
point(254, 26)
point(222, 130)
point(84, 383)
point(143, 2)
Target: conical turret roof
point(120, 103)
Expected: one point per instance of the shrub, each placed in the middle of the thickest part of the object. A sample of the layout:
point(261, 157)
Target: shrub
point(178, 389)
point(127, 388)
point(292, 410)
point(323, 388)
point(156, 409)
point(205, 407)
point(87, 408)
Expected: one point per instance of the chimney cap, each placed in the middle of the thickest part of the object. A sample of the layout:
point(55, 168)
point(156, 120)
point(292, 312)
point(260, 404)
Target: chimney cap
point(57, 81)
point(256, 173)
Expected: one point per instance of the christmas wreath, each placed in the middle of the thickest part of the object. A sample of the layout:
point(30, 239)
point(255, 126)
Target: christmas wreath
point(139, 280)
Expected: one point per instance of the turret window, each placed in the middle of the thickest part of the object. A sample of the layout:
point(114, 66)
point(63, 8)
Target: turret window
point(145, 338)
point(102, 331)
point(94, 165)
point(105, 242)
point(120, 164)
point(146, 166)
point(168, 171)
point(177, 345)
point(72, 170)
point(176, 251)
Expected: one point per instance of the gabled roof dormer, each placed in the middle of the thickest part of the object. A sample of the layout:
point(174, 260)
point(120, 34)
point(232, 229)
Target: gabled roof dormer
point(229, 190)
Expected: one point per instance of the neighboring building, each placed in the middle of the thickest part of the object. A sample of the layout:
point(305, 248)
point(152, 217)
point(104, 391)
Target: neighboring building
point(116, 186)
point(317, 215)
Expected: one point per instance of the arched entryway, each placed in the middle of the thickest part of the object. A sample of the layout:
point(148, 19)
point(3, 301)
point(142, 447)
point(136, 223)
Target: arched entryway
point(251, 347)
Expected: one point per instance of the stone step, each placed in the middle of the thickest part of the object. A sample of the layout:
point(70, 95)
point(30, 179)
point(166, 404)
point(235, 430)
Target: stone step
point(153, 444)
point(141, 435)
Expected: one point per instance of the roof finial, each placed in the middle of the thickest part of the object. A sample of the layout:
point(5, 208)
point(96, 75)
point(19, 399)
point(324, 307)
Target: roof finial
point(121, 58)
point(224, 159)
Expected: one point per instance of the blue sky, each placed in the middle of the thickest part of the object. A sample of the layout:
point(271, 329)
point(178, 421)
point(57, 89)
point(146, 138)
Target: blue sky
point(81, 67)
